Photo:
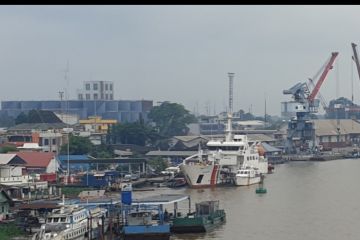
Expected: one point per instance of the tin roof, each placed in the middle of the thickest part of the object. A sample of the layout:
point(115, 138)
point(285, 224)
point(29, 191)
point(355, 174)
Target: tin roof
point(36, 159)
point(160, 199)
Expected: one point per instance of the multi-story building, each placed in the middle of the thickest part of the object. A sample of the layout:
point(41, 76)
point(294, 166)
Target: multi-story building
point(97, 90)
point(120, 110)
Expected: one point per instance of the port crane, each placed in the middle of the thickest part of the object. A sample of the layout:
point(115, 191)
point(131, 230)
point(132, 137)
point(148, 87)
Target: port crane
point(300, 128)
point(356, 58)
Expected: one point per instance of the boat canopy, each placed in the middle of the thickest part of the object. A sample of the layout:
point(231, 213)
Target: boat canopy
point(160, 199)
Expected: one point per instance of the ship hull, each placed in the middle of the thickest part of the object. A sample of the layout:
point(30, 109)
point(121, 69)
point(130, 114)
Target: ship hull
point(246, 181)
point(198, 175)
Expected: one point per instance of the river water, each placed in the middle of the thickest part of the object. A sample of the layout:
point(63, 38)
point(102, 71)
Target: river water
point(304, 200)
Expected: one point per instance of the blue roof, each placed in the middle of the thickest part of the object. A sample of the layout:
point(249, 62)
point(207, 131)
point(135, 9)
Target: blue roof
point(73, 157)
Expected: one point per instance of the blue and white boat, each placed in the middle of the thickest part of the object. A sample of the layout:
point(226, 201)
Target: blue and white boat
point(140, 225)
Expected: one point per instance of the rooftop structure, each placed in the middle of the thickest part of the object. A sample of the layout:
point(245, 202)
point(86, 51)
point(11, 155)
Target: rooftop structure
point(97, 90)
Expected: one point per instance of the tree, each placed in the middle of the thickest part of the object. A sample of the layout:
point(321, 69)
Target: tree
point(133, 133)
point(102, 151)
point(8, 148)
point(21, 118)
point(171, 119)
point(78, 146)
point(158, 164)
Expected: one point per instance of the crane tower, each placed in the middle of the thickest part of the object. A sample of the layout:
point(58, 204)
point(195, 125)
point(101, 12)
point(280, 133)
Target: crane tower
point(301, 131)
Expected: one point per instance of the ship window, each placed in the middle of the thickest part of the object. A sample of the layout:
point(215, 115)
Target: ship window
point(56, 220)
point(63, 219)
point(200, 178)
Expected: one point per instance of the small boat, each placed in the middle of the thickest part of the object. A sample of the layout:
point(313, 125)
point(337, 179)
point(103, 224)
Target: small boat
point(247, 176)
point(140, 226)
point(207, 216)
point(176, 182)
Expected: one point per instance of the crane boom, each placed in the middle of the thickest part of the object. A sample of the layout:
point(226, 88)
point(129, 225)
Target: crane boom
point(322, 77)
point(356, 58)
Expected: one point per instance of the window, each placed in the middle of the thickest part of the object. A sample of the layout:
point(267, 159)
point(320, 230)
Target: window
point(80, 97)
point(111, 97)
point(87, 96)
point(106, 96)
point(106, 87)
point(95, 86)
point(46, 142)
point(54, 141)
point(111, 87)
point(200, 178)
point(95, 96)
point(87, 86)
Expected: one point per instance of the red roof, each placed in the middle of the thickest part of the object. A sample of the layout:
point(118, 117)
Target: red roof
point(36, 159)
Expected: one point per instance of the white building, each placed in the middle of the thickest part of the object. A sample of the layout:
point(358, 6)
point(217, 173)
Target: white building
point(97, 90)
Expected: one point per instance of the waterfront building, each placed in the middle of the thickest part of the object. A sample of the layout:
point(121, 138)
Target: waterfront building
point(332, 133)
point(39, 162)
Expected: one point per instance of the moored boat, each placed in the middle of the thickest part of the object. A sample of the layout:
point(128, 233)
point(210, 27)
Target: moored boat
point(247, 176)
point(139, 226)
point(207, 216)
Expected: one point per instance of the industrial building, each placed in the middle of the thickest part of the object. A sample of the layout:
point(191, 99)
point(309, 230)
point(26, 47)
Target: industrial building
point(120, 110)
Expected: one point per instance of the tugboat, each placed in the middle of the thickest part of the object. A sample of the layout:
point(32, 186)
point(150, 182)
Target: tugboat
point(206, 217)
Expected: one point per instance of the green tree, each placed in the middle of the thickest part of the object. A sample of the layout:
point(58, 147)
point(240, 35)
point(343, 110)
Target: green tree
point(78, 146)
point(171, 119)
point(158, 164)
point(21, 118)
point(133, 133)
point(8, 148)
point(102, 151)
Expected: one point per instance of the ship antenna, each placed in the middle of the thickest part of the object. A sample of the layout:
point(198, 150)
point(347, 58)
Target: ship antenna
point(230, 109)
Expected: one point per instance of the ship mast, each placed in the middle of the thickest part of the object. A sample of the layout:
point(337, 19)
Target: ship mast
point(228, 130)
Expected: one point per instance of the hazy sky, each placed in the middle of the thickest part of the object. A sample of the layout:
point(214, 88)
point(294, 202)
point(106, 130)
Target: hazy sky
point(178, 53)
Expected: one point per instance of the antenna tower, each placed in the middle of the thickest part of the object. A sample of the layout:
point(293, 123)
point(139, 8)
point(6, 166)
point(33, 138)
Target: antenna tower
point(231, 84)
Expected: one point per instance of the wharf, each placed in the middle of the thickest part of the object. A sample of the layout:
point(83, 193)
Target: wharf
point(314, 157)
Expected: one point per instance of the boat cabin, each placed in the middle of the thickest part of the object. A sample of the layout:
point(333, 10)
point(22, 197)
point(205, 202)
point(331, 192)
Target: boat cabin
point(139, 218)
point(206, 207)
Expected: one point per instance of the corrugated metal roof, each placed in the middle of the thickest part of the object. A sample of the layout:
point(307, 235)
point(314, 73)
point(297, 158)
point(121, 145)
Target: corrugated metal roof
point(160, 199)
point(328, 127)
point(171, 153)
point(36, 159)
point(39, 126)
point(5, 158)
point(73, 157)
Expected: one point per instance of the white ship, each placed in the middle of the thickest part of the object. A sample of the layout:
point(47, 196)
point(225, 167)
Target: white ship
point(72, 222)
point(247, 176)
point(221, 162)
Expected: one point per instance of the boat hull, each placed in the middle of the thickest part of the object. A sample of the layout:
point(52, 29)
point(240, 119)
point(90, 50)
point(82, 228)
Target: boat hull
point(197, 224)
point(198, 175)
point(246, 181)
point(140, 232)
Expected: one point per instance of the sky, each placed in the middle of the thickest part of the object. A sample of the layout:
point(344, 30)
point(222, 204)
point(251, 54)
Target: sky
point(180, 54)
